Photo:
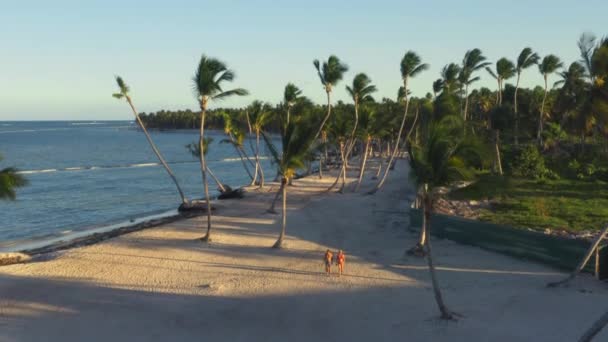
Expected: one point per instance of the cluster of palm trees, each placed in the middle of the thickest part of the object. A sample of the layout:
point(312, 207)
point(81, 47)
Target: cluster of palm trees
point(446, 132)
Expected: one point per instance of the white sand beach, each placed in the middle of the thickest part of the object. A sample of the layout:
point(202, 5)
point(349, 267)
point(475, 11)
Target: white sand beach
point(162, 284)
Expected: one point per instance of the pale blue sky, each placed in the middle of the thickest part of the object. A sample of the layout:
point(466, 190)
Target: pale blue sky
point(58, 58)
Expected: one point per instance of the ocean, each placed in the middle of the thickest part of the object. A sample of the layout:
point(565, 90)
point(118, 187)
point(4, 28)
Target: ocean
point(87, 175)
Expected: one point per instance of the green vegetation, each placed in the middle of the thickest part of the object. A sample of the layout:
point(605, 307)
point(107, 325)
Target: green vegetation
point(9, 181)
point(565, 204)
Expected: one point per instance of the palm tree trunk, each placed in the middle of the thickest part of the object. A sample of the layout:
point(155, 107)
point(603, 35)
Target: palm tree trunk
point(328, 91)
point(363, 162)
point(395, 150)
point(279, 242)
point(321, 167)
point(157, 152)
point(352, 134)
point(498, 163)
point(379, 169)
point(428, 209)
point(207, 236)
point(466, 102)
point(342, 171)
point(276, 197)
point(540, 117)
point(516, 129)
point(257, 158)
point(445, 313)
point(217, 181)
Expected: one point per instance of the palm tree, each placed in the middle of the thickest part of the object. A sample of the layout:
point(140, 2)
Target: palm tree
point(449, 77)
point(361, 92)
point(411, 66)
point(505, 69)
point(259, 117)
point(296, 136)
point(236, 137)
point(473, 61)
point(10, 179)
point(371, 126)
point(194, 149)
point(291, 95)
point(549, 65)
point(330, 73)
point(208, 79)
point(439, 161)
point(526, 59)
point(437, 86)
point(124, 93)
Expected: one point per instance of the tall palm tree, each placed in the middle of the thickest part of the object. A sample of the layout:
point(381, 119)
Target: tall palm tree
point(290, 97)
point(361, 92)
point(505, 69)
point(296, 137)
point(208, 79)
point(548, 66)
point(9, 181)
point(124, 94)
point(411, 66)
point(526, 59)
point(194, 149)
point(259, 114)
point(438, 161)
point(330, 73)
point(473, 61)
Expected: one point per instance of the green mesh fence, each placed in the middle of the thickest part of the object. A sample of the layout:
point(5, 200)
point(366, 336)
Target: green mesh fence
point(554, 251)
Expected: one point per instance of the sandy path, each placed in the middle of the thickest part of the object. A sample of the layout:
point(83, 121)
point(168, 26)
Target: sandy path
point(162, 284)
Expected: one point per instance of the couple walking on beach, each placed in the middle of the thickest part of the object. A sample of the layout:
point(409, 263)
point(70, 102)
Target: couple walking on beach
point(340, 261)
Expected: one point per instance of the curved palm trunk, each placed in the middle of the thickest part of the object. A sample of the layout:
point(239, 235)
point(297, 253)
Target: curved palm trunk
point(516, 128)
point(217, 181)
point(342, 173)
point(157, 152)
point(540, 117)
point(276, 197)
point(351, 144)
point(207, 236)
point(396, 148)
point(328, 91)
point(257, 157)
point(279, 242)
point(363, 162)
point(445, 313)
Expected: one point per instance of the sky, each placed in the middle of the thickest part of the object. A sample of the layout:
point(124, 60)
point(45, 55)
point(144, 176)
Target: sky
point(58, 58)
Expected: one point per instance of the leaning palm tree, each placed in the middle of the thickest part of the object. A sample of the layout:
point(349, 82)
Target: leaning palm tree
point(549, 65)
point(10, 179)
point(411, 66)
point(330, 73)
point(194, 149)
point(208, 79)
point(438, 161)
point(124, 94)
point(296, 137)
point(361, 92)
point(505, 69)
point(526, 59)
point(473, 61)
